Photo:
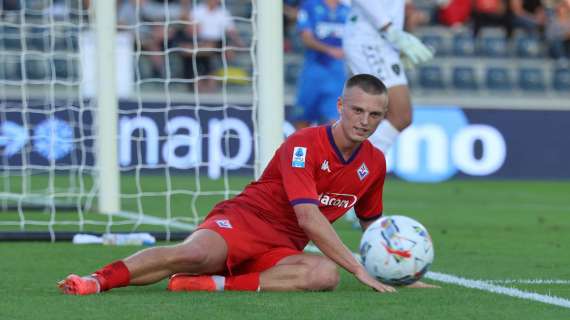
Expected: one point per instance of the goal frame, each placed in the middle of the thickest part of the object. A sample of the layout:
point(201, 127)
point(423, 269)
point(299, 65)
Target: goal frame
point(267, 101)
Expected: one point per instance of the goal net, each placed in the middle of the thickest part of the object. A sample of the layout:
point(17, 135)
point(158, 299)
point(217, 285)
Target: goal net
point(134, 116)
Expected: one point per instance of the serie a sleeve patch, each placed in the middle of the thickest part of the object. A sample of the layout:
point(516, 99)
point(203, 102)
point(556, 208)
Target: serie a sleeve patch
point(299, 157)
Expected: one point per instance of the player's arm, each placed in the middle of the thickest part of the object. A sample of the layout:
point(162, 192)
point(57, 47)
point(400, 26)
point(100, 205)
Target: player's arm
point(305, 26)
point(413, 50)
point(321, 232)
point(311, 42)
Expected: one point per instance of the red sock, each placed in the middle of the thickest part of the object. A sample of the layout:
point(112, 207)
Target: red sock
point(245, 282)
point(113, 275)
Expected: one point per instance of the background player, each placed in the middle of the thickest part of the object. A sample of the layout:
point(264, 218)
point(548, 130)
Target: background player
point(373, 41)
point(255, 240)
point(320, 24)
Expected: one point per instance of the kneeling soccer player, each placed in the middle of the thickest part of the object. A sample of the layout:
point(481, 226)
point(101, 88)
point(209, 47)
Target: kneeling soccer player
point(254, 241)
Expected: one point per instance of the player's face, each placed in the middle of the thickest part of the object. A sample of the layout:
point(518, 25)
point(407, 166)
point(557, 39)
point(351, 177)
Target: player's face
point(361, 113)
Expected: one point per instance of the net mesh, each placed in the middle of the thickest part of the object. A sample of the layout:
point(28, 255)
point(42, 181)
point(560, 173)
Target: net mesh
point(187, 132)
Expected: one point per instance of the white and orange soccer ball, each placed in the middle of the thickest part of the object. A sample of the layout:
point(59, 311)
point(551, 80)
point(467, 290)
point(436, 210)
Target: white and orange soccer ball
point(396, 250)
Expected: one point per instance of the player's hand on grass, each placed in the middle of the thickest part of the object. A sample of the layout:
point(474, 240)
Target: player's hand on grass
point(423, 285)
point(368, 280)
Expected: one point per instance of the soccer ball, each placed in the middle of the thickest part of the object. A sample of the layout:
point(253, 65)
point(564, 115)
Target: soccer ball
point(396, 250)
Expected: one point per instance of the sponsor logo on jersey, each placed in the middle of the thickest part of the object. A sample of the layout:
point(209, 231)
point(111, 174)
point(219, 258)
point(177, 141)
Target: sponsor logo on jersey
point(299, 155)
point(224, 223)
point(325, 166)
point(329, 29)
point(339, 200)
point(362, 171)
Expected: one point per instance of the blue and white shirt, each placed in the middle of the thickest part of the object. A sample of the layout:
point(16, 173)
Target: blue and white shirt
point(327, 26)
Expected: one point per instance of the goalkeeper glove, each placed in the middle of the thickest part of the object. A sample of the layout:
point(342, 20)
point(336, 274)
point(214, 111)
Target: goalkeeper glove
point(411, 47)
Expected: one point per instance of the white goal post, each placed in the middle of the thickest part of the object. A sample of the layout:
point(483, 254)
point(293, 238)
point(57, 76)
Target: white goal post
point(109, 200)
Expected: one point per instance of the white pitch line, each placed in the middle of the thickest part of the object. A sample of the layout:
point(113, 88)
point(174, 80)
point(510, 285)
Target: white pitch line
point(485, 286)
point(482, 285)
point(155, 220)
point(441, 277)
point(529, 281)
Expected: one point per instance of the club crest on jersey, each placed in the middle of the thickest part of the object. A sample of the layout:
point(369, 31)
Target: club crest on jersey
point(362, 171)
point(325, 166)
point(224, 223)
point(299, 155)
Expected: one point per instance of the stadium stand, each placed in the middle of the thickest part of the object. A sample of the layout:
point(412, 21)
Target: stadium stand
point(498, 79)
point(432, 77)
point(438, 39)
point(561, 79)
point(531, 79)
point(489, 62)
point(493, 44)
point(463, 45)
point(464, 78)
point(528, 47)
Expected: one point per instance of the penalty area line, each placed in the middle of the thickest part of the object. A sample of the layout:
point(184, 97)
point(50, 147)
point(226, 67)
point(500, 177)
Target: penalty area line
point(482, 285)
point(529, 281)
point(486, 286)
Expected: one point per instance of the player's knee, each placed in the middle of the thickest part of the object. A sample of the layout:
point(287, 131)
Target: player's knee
point(324, 276)
point(406, 119)
point(402, 119)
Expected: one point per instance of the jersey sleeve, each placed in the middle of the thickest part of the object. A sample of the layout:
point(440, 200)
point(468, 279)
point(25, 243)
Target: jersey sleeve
point(305, 19)
point(296, 163)
point(374, 10)
point(370, 206)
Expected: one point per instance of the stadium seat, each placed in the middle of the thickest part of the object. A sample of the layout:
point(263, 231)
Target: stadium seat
point(561, 79)
point(463, 45)
point(464, 78)
point(531, 79)
point(493, 46)
point(37, 68)
point(498, 78)
point(528, 47)
point(431, 77)
point(67, 39)
point(11, 67)
point(435, 41)
point(10, 37)
point(66, 69)
point(37, 38)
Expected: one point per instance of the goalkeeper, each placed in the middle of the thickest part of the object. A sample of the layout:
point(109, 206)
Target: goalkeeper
point(254, 241)
point(374, 42)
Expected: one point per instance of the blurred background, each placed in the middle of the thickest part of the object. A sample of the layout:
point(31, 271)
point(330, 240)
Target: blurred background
point(493, 104)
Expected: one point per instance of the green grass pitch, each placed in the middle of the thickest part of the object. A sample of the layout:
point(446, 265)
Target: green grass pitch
point(489, 230)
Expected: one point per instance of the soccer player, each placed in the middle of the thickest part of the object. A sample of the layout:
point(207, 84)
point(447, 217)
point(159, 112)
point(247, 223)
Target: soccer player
point(254, 241)
point(320, 24)
point(373, 41)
